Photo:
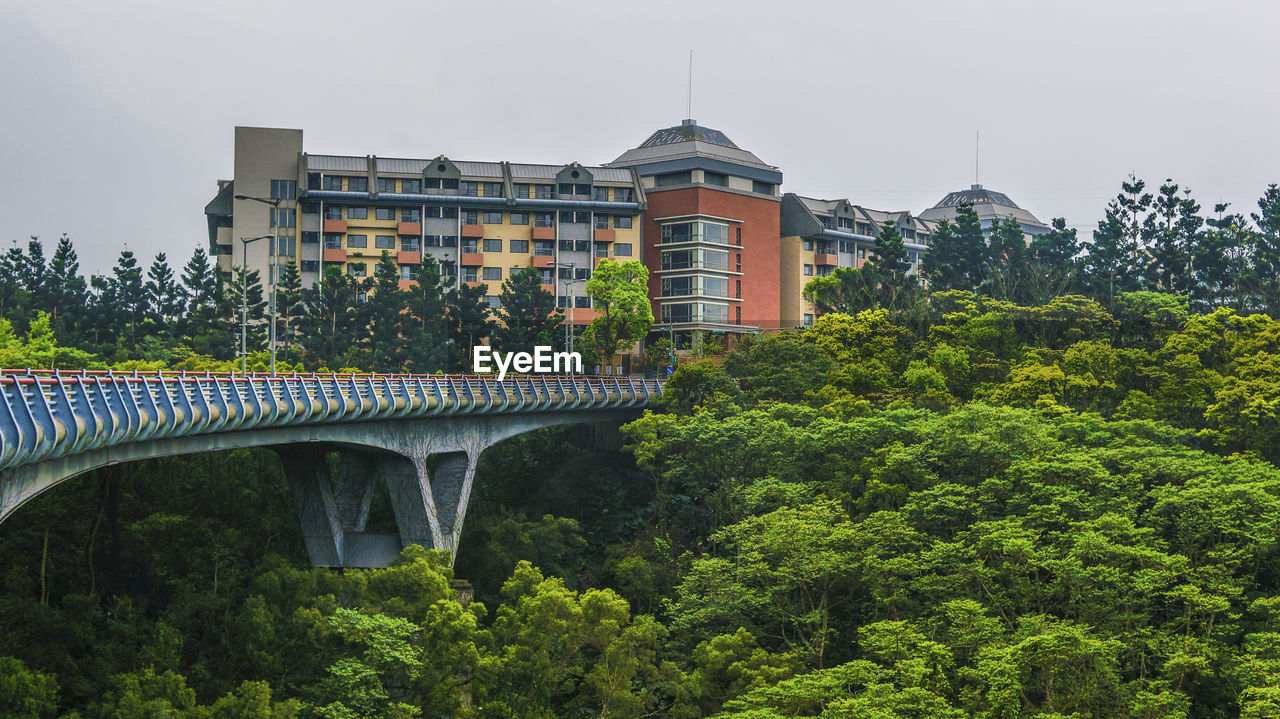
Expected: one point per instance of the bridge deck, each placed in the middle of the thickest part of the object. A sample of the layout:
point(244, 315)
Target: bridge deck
point(50, 414)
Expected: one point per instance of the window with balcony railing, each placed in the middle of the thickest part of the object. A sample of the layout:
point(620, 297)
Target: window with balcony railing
point(545, 248)
point(470, 246)
point(332, 241)
point(410, 244)
point(543, 219)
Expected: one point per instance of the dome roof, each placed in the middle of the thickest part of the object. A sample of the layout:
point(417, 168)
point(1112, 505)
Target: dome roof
point(976, 195)
point(988, 204)
point(689, 140)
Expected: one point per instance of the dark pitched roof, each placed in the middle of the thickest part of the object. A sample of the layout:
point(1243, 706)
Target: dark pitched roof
point(687, 132)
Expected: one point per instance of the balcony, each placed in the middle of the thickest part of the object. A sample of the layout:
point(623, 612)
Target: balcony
point(542, 261)
point(335, 255)
point(335, 226)
point(409, 258)
point(406, 285)
point(473, 231)
point(409, 228)
point(826, 258)
point(606, 235)
point(544, 233)
point(472, 259)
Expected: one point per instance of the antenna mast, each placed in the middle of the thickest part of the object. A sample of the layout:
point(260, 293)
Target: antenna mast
point(976, 135)
point(690, 115)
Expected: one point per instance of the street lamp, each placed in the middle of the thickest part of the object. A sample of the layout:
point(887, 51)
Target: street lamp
point(274, 202)
point(568, 291)
point(244, 299)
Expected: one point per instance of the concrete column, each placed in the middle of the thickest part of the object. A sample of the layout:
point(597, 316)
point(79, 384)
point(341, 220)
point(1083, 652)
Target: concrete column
point(451, 486)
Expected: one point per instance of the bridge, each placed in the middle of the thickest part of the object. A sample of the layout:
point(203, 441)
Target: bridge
point(420, 434)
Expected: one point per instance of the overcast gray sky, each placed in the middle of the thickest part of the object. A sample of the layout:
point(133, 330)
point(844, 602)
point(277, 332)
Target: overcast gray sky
point(118, 116)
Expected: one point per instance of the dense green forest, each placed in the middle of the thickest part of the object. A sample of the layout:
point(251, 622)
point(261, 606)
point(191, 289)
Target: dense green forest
point(960, 501)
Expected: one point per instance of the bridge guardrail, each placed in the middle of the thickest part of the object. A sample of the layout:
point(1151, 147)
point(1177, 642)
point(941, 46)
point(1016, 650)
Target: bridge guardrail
point(45, 414)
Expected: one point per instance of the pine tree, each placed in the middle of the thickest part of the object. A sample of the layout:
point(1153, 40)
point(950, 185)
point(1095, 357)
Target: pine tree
point(1052, 265)
point(1264, 256)
point(202, 324)
point(383, 344)
point(1170, 233)
point(890, 265)
point(528, 314)
point(974, 253)
point(1220, 259)
point(67, 293)
point(129, 298)
point(32, 271)
point(1006, 277)
point(944, 263)
point(426, 329)
point(469, 322)
point(164, 296)
point(330, 316)
point(1109, 266)
point(245, 310)
point(289, 309)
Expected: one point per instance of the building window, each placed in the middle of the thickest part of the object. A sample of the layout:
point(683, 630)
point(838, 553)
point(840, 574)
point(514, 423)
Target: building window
point(568, 188)
point(566, 245)
point(543, 219)
point(411, 187)
point(470, 246)
point(313, 180)
point(449, 240)
point(492, 273)
point(582, 246)
point(448, 269)
point(582, 303)
point(384, 242)
point(385, 213)
point(622, 222)
point(601, 250)
point(622, 194)
point(581, 273)
point(563, 302)
point(310, 265)
point(357, 269)
point(432, 240)
point(441, 183)
point(284, 189)
point(469, 274)
point(622, 249)
point(544, 192)
point(491, 189)
point(333, 212)
point(386, 184)
point(546, 276)
point(694, 259)
point(357, 184)
point(519, 218)
point(715, 178)
point(762, 188)
point(494, 301)
point(411, 215)
point(808, 245)
point(673, 178)
point(470, 217)
point(406, 272)
point(490, 217)
point(520, 189)
point(737, 289)
point(808, 269)
point(357, 240)
point(862, 253)
point(310, 238)
point(410, 244)
point(602, 222)
point(333, 241)
point(545, 248)
point(521, 246)
point(470, 189)
point(565, 273)
point(444, 212)
point(286, 246)
point(283, 217)
point(695, 232)
point(331, 182)
point(568, 216)
point(600, 194)
point(493, 245)
point(357, 213)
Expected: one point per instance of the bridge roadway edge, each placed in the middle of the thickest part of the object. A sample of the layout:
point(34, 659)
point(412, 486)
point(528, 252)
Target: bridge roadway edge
point(401, 446)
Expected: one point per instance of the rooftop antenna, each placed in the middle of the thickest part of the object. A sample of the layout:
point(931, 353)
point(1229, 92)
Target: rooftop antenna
point(977, 134)
point(690, 115)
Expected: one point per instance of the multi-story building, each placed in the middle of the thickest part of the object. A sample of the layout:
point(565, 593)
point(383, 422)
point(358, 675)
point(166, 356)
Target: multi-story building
point(480, 220)
point(820, 235)
point(989, 205)
point(725, 249)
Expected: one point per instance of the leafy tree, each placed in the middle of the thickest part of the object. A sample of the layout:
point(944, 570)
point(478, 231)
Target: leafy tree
point(846, 290)
point(26, 694)
point(528, 316)
point(619, 292)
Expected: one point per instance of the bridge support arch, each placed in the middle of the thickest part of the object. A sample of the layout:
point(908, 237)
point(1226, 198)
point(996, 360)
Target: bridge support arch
point(428, 465)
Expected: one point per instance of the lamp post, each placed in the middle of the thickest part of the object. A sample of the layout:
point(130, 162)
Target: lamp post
point(274, 202)
point(568, 291)
point(244, 299)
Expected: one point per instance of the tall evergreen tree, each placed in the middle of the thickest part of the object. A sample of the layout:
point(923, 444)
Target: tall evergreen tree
point(944, 263)
point(469, 322)
point(426, 329)
point(1111, 264)
point(32, 271)
point(1170, 233)
point(245, 308)
point(1052, 265)
point(164, 296)
point(383, 346)
point(128, 298)
point(67, 293)
point(1006, 277)
point(890, 264)
point(1264, 256)
point(289, 309)
point(528, 314)
point(975, 255)
point(327, 324)
point(203, 325)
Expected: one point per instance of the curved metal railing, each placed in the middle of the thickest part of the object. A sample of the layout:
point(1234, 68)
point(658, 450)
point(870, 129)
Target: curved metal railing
point(50, 414)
